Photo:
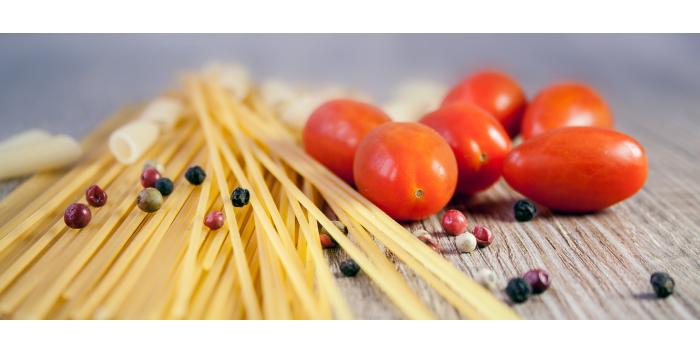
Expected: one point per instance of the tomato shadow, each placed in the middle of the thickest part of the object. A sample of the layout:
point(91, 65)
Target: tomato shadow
point(497, 209)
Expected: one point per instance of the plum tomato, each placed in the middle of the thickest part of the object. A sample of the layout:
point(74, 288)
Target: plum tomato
point(565, 104)
point(406, 169)
point(497, 93)
point(478, 141)
point(334, 130)
point(577, 169)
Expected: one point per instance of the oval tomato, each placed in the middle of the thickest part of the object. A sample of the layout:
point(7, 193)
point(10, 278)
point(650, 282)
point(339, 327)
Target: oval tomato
point(577, 169)
point(495, 92)
point(334, 130)
point(406, 169)
point(479, 142)
point(565, 104)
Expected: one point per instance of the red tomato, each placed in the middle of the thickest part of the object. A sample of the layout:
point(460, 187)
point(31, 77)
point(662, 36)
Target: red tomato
point(406, 169)
point(577, 169)
point(478, 141)
point(565, 104)
point(495, 92)
point(334, 130)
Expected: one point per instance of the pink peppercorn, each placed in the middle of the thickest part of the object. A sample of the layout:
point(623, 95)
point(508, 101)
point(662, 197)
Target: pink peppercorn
point(430, 241)
point(95, 196)
point(454, 222)
point(214, 220)
point(538, 280)
point(327, 241)
point(149, 177)
point(484, 237)
point(77, 216)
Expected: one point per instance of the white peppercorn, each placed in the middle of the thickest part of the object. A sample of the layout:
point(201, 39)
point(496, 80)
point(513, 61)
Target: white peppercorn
point(465, 242)
point(487, 278)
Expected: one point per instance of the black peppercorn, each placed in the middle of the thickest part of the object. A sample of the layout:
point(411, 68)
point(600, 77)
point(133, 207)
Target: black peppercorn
point(349, 268)
point(524, 210)
point(240, 197)
point(518, 290)
point(195, 175)
point(164, 185)
point(662, 283)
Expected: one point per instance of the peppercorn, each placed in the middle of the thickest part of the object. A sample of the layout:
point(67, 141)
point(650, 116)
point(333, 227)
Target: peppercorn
point(149, 200)
point(164, 185)
point(349, 267)
point(214, 220)
point(538, 279)
point(430, 241)
point(155, 165)
point(465, 242)
point(486, 277)
point(77, 216)
point(149, 177)
point(454, 222)
point(662, 283)
point(518, 290)
point(95, 196)
point(195, 175)
point(240, 197)
point(327, 241)
point(484, 237)
point(524, 210)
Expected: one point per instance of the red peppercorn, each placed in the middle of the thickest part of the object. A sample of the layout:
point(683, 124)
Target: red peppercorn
point(149, 177)
point(327, 241)
point(77, 215)
point(484, 237)
point(454, 222)
point(95, 196)
point(538, 280)
point(430, 241)
point(214, 220)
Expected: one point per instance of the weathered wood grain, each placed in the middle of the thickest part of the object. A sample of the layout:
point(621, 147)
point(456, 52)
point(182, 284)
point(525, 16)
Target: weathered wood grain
point(600, 263)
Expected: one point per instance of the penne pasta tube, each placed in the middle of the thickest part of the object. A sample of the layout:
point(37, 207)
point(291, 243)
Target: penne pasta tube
point(25, 138)
point(164, 111)
point(130, 141)
point(41, 155)
point(232, 77)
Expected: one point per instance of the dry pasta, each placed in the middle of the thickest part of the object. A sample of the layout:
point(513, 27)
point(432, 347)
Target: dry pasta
point(266, 262)
point(129, 142)
point(22, 158)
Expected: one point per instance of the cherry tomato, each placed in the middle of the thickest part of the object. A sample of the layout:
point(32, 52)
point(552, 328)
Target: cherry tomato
point(406, 169)
point(577, 169)
point(495, 92)
point(334, 130)
point(478, 141)
point(565, 104)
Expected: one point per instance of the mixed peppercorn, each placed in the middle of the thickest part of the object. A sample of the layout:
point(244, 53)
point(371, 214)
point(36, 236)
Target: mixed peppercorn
point(524, 210)
point(195, 175)
point(240, 197)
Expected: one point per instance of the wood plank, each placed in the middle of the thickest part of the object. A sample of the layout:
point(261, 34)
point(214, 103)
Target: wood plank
point(600, 263)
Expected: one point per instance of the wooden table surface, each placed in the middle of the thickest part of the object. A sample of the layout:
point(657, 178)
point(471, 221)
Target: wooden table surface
point(600, 263)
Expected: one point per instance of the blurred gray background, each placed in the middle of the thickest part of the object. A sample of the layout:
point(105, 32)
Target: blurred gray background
point(69, 83)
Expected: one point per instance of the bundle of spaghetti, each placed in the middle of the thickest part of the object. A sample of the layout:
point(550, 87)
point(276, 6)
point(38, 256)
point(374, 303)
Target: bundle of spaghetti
point(123, 219)
point(390, 281)
point(53, 260)
point(285, 228)
point(476, 301)
point(265, 262)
